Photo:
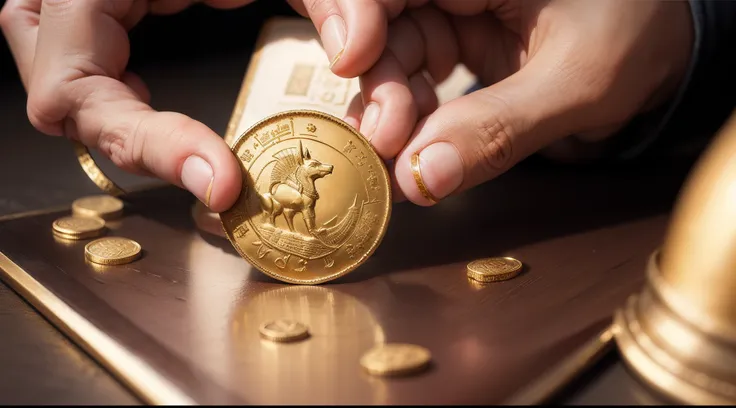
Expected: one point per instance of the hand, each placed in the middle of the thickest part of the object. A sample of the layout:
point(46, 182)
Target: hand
point(552, 69)
point(71, 56)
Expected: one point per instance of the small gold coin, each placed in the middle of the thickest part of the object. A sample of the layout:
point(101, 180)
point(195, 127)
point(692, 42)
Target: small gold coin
point(315, 200)
point(101, 206)
point(284, 330)
point(112, 251)
point(395, 359)
point(494, 269)
point(78, 227)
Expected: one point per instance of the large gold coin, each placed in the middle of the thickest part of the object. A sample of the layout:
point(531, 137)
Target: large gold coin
point(112, 251)
point(395, 359)
point(284, 330)
point(102, 206)
point(316, 198)
point(494, 269)
point(78, 227)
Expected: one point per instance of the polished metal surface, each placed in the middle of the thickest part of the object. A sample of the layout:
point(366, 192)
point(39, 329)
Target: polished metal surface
point(679, 333)
point(191, 307)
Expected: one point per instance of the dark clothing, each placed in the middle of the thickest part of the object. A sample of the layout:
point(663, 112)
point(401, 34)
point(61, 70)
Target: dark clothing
point(707, 96)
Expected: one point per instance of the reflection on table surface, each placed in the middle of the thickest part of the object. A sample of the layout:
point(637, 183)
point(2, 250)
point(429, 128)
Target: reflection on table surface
point(191, 307)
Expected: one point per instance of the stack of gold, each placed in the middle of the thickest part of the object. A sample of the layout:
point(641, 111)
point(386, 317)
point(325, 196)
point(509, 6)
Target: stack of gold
point(88, 220)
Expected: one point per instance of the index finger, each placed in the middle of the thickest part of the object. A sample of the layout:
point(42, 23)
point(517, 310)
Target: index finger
point(353, 32)
point(81, 56)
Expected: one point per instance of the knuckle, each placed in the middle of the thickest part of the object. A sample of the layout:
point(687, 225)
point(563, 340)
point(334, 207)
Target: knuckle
point(42, 110)
point(118, 142)
point(323, 7)
point(494, 150)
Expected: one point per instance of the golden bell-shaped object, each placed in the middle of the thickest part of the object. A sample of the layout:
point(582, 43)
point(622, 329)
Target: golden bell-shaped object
point(679, 333)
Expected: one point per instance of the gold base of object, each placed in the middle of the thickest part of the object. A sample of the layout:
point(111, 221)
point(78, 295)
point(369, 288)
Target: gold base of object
point(669, 353)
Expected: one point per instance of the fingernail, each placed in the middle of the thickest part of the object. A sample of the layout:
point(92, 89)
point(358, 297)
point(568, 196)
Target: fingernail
point(369, 120)
point(197, 177)
point(441, 169)
point(333, 35)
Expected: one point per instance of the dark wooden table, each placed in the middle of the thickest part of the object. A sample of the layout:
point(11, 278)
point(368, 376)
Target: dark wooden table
point(38, 365)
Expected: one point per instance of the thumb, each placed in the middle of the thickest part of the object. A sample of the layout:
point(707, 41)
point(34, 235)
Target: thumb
point(479, 136)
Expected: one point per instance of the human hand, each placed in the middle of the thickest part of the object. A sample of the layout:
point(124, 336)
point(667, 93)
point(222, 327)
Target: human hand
point(552, 69)
point(72, 55)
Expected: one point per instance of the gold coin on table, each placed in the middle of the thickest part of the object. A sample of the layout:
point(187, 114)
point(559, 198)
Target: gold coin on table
point(315, 201)
point(395, 359)
point(284, 331)
point(101, 206)
point(78, 227)
point(112, 251)
point(494, 269)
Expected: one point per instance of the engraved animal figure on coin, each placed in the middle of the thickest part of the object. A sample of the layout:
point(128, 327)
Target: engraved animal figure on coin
point(292, 187)
point(290, 190)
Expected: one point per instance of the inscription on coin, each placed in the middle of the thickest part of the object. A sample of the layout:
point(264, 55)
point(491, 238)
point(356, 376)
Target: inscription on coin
point(309, 211)
point(101, 206)
point(284, 330)
point(78, 227)
point(395, 359)
point(112, 251)
point(494, 269)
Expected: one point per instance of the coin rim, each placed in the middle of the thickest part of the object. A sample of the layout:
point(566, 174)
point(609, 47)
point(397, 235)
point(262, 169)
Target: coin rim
point(88, 212)
point(115, 261)
point(483, 277)
point(268, 334)
point(69, 232)
point(396, 371)
point(389, 201)
point(77, 237)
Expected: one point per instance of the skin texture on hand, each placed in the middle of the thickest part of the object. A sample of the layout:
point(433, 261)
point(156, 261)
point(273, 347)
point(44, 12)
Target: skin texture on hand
point(72, 57)
point(551, 69)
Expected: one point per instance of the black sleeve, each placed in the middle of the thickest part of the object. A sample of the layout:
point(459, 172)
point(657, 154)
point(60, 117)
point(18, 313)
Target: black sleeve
point(705, 99)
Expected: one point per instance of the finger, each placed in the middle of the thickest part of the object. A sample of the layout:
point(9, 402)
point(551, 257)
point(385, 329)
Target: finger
point(390, 110)
point(479, 136)
point(19, 23)
point(353, 116)
point(396, 194)
point(423, 93)
point(138, 86)
point(81, 56)
point(353, 32)
point(168, 145)
point(137, 11)
point(425, 38)
point(167, 7)
point(226, 4)
point(354, 112)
